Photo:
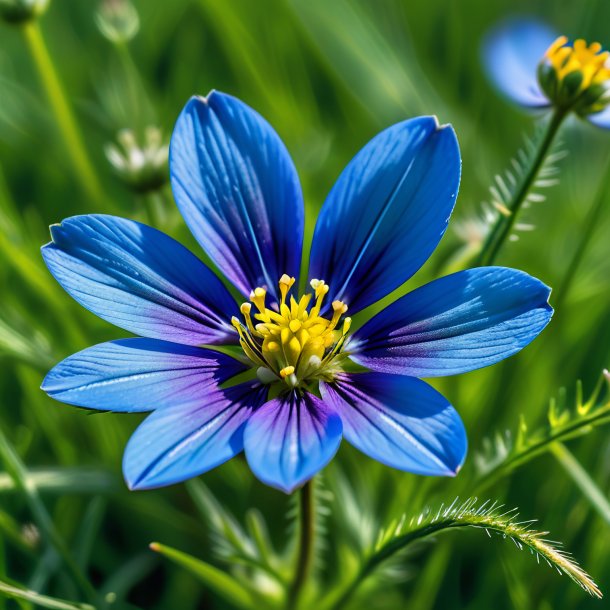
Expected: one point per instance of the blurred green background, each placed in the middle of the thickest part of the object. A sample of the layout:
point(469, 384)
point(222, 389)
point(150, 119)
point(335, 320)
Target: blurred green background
point(327, 74)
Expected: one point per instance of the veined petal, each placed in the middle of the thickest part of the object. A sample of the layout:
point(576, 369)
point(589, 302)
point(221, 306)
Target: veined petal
point(511, 54)
point(140, 279)
point(455, 324)
point(387, 212)
point(601, 119)
point(399, 421)
point(238, 190)
point(182, 442)
point(290, 439)
point(132, 375)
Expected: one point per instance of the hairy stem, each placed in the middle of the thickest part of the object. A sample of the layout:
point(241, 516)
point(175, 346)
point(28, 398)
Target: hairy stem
point(61, 109)
point(464, 516)
point(306, 545)
point(504, 224)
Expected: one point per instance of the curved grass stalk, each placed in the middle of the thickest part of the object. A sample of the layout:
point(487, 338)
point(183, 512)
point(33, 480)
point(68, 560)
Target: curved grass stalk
point(468, 515)
point(42, 601)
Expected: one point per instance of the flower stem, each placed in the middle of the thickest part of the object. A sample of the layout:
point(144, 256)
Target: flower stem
point(61, 109)
point(16, 469)
point(505, 224)
point(306, 544)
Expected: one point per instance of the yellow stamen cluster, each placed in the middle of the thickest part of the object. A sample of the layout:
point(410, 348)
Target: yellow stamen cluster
point(589, 60)
point(576, 77)
point(293, 343)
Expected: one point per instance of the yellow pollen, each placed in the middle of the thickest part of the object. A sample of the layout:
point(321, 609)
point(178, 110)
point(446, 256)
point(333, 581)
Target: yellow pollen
point(294, 341)
point(285, 283)
point(257, 296)
point(287, 370)
point(589, 60)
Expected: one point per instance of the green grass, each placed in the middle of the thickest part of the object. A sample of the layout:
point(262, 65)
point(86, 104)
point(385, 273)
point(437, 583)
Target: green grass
point(328, 75)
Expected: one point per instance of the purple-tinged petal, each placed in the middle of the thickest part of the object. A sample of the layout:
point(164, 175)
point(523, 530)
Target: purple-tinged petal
point(399, 421)
point(133, 375)
point(387, 212)
point(601, 119)
point(140, 279)
point(511, 54)
point(238, 190)
point(290, 439)
point(182, 442)
point(458, 323)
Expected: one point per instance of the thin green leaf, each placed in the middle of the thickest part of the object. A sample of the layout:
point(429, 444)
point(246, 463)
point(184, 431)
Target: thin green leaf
point(63, 480)
point(581, 477)
point(221, 582)
point(43, 601)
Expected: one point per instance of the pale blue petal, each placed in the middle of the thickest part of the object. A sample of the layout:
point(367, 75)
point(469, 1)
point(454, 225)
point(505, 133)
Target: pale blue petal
point(138, 375)
point(290, 439)
point(238, 190)
point(387, 212)
point(399, 421)
point(179, 443)
point(455, 324)
point(140, 279)
point(511, 54)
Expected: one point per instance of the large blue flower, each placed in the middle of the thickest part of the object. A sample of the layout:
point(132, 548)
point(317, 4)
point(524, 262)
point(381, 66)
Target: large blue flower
point(536, 68)
point(238, 191)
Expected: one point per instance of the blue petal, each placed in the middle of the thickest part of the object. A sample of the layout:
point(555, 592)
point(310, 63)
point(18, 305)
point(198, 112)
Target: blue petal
point(399, 421)
point(132, 375)
point(601, 119)
point(511, 54)
point(456, 324)
point(387, 212)
point(140, 279)
point(179, 443)
point(290, 439)
point(238, 190)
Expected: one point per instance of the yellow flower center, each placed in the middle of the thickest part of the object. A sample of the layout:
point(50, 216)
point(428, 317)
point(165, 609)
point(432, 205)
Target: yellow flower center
point(293, 342)
point(589, 60)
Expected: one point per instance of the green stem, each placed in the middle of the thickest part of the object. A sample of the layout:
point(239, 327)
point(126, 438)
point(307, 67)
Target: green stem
point(591, 223)
point(582, 479)
point(306, 544)
point(18, 472)
point(61, 109)
point(505, 224)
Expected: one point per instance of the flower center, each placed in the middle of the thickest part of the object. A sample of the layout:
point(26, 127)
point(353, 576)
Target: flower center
point(293, 343)
point(576, 77)
point(588, 60)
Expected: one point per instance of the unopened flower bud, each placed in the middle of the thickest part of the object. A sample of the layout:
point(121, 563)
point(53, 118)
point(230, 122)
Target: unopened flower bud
point(117, 20)
point(21, 11)
point(142, 167)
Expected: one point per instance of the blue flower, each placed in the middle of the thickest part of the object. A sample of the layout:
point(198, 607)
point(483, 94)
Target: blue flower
point(534, 67)
point(239, 193)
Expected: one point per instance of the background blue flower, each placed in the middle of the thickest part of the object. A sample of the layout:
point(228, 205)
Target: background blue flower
point(511, 53)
